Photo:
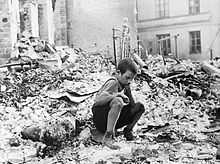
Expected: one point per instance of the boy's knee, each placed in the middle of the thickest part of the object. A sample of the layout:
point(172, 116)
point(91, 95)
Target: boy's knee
point(117, 102)
point(140, 107)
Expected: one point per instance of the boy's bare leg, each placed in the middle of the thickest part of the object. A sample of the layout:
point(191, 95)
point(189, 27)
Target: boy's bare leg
point(113, 115)
point(137, 111)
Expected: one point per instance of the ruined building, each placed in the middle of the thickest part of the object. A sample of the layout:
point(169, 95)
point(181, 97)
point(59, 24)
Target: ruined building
point(47, 19)
point(9, 21)
point(80, 23)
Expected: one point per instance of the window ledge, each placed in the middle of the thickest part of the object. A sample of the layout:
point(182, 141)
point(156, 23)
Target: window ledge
point(175, 20)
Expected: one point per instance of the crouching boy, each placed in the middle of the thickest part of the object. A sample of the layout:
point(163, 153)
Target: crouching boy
point(114, 105)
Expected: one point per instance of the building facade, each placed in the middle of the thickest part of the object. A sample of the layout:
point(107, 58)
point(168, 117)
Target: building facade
point(189, 29)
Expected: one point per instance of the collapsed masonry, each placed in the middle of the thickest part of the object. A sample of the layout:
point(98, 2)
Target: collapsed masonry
point(46, 19)
point(65, 22)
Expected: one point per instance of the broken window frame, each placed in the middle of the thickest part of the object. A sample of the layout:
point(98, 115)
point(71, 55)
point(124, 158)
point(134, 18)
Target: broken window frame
point(195, 42)
point(165, 44)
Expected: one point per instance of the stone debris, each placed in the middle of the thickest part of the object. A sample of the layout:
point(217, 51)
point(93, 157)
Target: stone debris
point(180, 124)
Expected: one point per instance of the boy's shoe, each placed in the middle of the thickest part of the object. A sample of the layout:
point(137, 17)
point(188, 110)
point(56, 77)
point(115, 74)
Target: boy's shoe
point(128, 134)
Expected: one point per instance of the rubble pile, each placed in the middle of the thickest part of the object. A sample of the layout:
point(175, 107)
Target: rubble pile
point(178, 117)
point(171, 122)
point(191, 78)
point(28, 113)
point(46, 111)
point(17, 86)
point(34, 47)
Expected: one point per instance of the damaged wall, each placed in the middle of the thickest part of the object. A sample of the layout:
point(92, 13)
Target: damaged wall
point(69, 16)
point(29, 17)
point(87, 24)
point(9, 27)
point(45, 19)
point(63, 14)
point(93, 21)
point(60, 22)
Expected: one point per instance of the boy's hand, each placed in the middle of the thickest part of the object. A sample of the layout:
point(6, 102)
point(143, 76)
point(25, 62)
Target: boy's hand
point(124, 97)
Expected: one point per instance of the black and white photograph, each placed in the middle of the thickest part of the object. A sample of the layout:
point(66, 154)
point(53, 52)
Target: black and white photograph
point(109, 81)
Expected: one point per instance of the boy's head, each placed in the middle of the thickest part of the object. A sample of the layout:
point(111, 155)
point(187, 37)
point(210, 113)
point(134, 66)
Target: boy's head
point(128, 70)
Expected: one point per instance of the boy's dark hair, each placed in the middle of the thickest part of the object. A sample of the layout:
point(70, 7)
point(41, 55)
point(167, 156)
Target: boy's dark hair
point(127, 64)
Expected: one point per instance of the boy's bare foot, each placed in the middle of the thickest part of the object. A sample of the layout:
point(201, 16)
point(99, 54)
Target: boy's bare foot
point(108, 140)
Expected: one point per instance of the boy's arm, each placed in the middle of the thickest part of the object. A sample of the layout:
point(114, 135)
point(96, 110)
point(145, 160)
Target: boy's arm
point(108, 92)
point(129, 94)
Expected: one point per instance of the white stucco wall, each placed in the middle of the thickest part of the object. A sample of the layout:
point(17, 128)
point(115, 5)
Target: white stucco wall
point(179, 22)
point(147, 8)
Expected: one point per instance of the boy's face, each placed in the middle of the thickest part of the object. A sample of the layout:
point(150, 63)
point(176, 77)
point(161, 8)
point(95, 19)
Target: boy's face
point(126, 77)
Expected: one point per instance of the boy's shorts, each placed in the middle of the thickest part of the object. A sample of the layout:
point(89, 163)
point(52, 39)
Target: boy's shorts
point(100, 117)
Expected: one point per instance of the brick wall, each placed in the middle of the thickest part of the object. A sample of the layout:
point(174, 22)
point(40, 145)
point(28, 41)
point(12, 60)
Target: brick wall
point(8, 27)
point(29, 17)
point(5, 43)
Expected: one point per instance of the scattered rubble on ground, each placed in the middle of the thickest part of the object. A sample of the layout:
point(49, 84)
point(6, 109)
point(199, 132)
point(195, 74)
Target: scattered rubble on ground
point(45, 118)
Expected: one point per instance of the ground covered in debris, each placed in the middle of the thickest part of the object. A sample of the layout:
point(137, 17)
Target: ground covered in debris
point(45, 112)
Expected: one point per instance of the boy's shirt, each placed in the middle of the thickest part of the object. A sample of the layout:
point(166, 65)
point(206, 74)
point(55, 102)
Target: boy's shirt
point(109, 91)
